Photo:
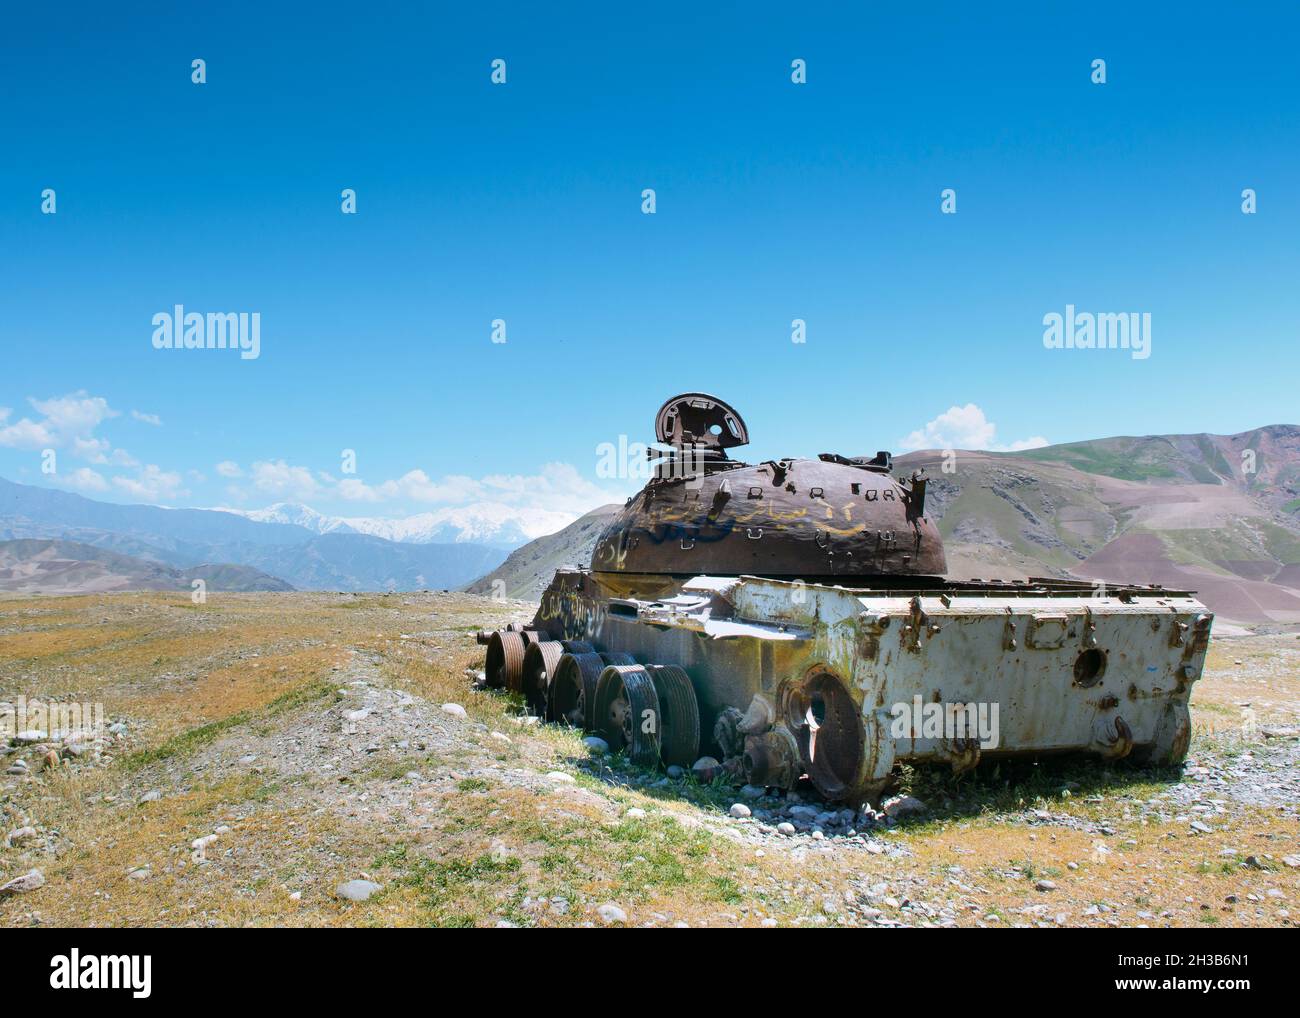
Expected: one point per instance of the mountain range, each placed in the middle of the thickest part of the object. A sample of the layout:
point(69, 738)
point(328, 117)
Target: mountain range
point(185, 538)
point(528, 570)
point(68, 567)
point(486, 523)
point(1219, 514)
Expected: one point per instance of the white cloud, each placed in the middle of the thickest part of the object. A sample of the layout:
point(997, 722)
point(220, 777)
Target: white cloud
point(357, 491)
point(556, 488)
point(153, 419)
point(229, 468)
point(964, 427)
point(86, 479)
point(66, 422)
point(1037, 442)
point(27, 434)
point(76, 414)
point(559, 487)
point(283, 480)
point(152, 484)
point(101, 451)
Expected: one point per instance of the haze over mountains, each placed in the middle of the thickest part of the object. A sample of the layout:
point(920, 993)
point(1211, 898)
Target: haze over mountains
point(528, 570)
point(487, 523)
point(186, 538)
point(1216, 513)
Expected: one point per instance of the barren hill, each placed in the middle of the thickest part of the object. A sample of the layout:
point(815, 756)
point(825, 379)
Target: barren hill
point(529, 569)
point(68, 567)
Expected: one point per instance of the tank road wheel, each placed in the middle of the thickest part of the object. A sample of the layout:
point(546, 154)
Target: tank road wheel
point(505, 660)
point(679, 735)
point(534, 636)
point(627, 712)
point(573, 691)
point(828, 727)
point(574, 686)
point(540, 662)
point(617, 657)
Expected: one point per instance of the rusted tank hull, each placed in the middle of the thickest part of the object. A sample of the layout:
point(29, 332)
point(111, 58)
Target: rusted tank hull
point(841, 683)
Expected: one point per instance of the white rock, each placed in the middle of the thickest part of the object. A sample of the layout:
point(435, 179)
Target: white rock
point(29, 881)
point(1045, 885)
point(454, 709)
point(153, 795)
point(356, 890)
point(560, 776)
point(785, 827)
point(904, 806)
point(706, 768)
point(610, 913)
point(596, 746)
point(636, 813)
point(740, 811)
point(21, 834)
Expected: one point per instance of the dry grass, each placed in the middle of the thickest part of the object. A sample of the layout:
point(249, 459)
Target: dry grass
point(476, 850)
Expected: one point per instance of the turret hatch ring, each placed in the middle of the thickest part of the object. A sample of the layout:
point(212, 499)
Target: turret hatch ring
point(696, 418)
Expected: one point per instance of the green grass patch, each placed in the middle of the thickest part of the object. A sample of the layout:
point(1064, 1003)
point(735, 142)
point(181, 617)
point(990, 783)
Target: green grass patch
point(194, 738)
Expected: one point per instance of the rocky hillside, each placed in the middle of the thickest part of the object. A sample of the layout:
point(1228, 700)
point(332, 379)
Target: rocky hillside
point(529, 569)
point(1216, 513)
point(68, 567)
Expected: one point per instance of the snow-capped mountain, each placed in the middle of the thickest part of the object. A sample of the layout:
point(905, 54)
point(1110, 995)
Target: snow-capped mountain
point(489, 523)
point(297, 515)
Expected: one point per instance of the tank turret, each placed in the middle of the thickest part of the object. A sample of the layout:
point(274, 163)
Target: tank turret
point(704, 512)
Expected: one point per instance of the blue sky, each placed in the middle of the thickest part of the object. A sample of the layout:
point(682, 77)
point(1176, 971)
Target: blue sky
point(522, 202)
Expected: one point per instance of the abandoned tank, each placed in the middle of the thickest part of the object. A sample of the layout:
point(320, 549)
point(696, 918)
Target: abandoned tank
point(791, 619)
